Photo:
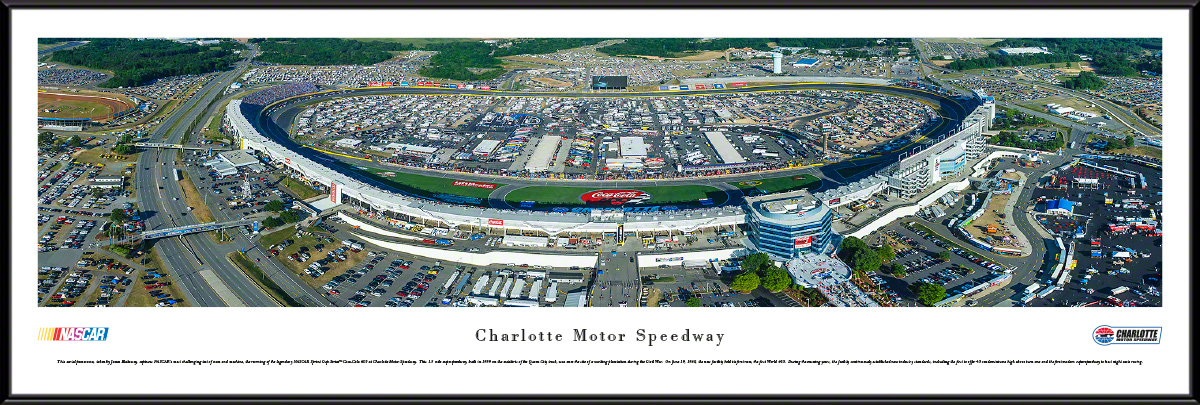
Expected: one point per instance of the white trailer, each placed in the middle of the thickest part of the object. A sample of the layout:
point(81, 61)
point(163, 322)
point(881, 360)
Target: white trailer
point(1032, 287)
point(507, 287)
point(552, 292)
point(1119, 290)
point(535, 289)
point(495, 286)
point(480, 284)
point(516, 291)
point(450, 282)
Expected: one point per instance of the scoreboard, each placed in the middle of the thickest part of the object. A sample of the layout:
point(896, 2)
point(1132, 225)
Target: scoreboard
point(610, 82)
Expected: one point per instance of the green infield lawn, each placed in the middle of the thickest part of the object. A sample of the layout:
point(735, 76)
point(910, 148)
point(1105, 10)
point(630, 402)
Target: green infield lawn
point(546, 196)
point(779, 184)
point(426, 186)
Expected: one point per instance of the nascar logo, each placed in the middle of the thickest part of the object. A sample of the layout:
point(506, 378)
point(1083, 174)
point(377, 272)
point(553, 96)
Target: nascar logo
point(92, 334)
point(1105, 335)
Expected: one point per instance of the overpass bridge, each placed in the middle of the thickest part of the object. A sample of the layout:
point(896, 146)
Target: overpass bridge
point(184, 230)
point(178, 146)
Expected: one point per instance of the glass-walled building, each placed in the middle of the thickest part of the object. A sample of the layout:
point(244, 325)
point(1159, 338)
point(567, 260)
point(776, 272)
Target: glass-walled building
point(788, 225)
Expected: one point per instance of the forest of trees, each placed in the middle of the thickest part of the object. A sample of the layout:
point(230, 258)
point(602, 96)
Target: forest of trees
point(997, 60)
point(137, 63)
point(676, 47)
point(326, 51)
point(539, 46)
point(1110, 56)
point(1085, 81)
point(454, 58)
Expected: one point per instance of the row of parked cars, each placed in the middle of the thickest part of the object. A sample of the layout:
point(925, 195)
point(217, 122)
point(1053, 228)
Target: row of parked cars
point(958, 251)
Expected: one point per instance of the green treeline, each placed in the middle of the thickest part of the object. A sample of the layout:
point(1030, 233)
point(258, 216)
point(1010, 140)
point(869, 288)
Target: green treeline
point(453, 59)
point(997, 60)
point(326, 51)
point(1085, 81)
point(139, 62)
point(539, 46)
point(676, 47)
point(48, 41)
point(1110, 56)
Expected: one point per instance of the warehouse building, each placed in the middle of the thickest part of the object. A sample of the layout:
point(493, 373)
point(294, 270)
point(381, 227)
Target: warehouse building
point(1023, 51)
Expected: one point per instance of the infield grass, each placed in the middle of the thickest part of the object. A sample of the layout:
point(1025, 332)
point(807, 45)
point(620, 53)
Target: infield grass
point(427, 186)
point(546, 196)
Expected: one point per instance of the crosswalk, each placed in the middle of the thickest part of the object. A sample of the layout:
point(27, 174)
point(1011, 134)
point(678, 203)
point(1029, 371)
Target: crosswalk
point(618, 283)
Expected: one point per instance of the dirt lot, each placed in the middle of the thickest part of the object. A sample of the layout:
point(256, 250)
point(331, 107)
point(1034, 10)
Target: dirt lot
point(310, 241)
point(551, 82)
point(80, 105)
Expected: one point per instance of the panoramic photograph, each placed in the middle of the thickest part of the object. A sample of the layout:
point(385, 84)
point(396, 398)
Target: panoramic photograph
point(599, 172)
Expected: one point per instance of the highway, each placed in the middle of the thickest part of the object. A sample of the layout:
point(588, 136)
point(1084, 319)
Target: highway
point(279, 116)
point(161, 198)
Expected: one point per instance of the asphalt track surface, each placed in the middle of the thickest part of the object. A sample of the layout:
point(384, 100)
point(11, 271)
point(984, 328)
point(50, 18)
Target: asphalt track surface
point(273, 120)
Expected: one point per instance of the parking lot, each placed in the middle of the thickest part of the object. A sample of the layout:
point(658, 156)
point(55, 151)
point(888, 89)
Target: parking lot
point(1114, 219)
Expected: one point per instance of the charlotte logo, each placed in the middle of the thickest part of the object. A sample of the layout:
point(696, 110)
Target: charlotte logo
point(615, 197)
point(74, 334)
point(1105, 335)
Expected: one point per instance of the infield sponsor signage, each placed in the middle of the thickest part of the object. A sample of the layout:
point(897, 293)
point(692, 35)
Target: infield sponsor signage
point(737, 84)
point(615, 197)
point(333, 195)
point(487, 87)
point(375, 84)
point(698, 86)
point(496, 222)
point(462, 183)
point(718, 86)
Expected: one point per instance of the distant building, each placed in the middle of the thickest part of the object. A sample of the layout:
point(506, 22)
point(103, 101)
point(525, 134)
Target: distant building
point(1021, 51)
point(807, 63)
point(107, 181)
point(348, 143)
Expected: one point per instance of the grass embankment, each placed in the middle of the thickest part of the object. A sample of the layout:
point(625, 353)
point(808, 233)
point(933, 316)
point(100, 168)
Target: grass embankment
point(557, 196)
point(779, 184)
point(194, 200)
point(427, 186)
point(262, 280)
point(1148, 151)
point(301, 190)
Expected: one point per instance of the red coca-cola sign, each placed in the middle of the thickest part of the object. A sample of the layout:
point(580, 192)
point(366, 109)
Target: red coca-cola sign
point(615, 197)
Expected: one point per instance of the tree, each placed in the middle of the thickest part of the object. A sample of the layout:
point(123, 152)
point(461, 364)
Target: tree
point(930, 294)
point(898, 270)
point(1129, 141)
point(74, 141)
point(865, 260)
point(124, 149)
point(693, 302)
point(745, 282)
point(272, 222)
point(274, 206)
point(118, 216)
point(755, 262)
point(849, 245)
point(97, 192)
point(886, 253)
point(776, 279)
point(944, 255)
point(45, 138)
